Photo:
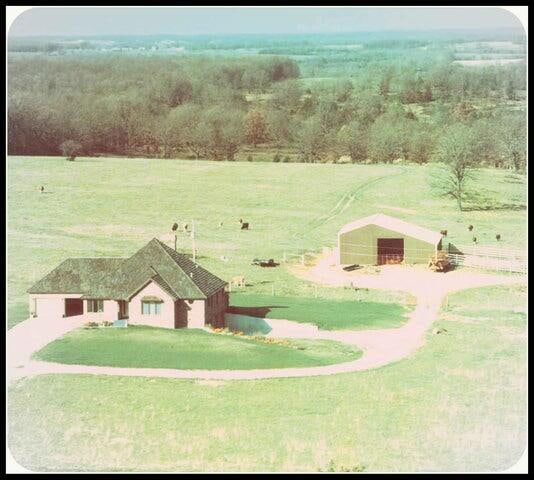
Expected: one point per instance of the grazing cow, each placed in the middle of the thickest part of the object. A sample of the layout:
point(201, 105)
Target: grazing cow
point(470, 228)
point(41, 189)
point(443, 232)
point(185, 227)
point(244, 225)
point(238, 281)
point(174, 227)
point(474, 239)
point(498, 236)
point(224, 258)
point(220, 224)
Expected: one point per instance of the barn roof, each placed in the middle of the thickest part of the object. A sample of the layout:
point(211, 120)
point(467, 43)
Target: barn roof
point(121, 278)
point(396, 225)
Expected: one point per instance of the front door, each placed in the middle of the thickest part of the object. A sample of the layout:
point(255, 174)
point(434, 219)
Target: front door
point(390, 250)
point(123, 309)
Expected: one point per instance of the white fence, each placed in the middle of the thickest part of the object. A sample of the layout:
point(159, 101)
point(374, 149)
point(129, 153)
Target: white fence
point(502, 260)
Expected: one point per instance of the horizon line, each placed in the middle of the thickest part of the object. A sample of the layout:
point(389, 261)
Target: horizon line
point(226, 34)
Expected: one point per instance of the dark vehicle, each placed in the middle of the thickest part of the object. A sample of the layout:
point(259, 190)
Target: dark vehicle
point(265, 263)
point(350, 268)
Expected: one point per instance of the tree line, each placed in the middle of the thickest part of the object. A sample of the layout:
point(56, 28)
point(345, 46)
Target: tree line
point(211, 108)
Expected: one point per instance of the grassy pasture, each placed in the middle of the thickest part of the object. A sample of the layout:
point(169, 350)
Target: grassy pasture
point(457, 404)
point(148, 347)
point(104, 207)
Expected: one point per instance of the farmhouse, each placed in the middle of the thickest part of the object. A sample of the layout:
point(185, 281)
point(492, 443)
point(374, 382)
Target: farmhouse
point(156, 286)
point(380, 239)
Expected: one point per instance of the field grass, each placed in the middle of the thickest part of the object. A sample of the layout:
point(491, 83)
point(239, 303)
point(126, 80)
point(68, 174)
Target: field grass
point(457, 404)
point(111, 207)
point(326, 314)
point(148, 347)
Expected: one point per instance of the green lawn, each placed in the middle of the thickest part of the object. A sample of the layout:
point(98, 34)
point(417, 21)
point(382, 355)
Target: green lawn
point(457, 404)
point(101, 207)
point(151, 347)
point(326, 314)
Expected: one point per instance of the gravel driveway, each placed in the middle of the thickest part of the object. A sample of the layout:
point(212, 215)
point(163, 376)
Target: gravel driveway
point(380, 347)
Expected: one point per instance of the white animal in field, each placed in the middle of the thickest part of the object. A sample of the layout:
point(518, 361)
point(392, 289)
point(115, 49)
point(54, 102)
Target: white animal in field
point(238, 281)
point(224, 258)
point(220, 224)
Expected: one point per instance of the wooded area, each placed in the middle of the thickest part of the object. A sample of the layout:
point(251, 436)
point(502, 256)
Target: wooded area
point(211, 108)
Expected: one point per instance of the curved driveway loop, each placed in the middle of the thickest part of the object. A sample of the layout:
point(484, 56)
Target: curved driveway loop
point(380, 347)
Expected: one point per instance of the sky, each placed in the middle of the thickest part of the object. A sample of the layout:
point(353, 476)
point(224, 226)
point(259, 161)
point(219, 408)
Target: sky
point(79, 21)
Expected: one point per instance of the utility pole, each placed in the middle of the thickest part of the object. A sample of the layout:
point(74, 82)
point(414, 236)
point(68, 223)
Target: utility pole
point(174, 228)
point(193, 240)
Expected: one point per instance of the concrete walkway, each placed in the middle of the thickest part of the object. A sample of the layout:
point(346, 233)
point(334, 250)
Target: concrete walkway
point(380, 347)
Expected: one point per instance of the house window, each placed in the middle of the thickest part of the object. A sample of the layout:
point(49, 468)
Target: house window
point(150, 308)
point(95, 306)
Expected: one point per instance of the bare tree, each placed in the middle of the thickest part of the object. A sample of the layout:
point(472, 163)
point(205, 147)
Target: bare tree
point(455, 151)
point(70, 149)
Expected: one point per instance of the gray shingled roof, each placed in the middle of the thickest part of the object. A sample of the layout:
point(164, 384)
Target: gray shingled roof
point(76, 275)
point(120, 279)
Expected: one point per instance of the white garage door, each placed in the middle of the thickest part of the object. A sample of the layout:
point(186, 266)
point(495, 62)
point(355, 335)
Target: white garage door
point(49, 307)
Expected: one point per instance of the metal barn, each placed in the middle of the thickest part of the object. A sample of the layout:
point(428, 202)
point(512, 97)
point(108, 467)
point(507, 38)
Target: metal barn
point(380, 239)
